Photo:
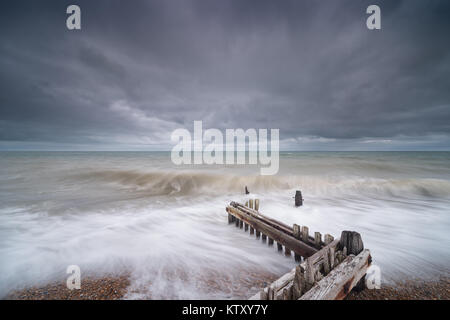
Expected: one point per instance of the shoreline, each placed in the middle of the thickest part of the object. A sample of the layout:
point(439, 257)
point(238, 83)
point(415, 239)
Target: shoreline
point(117, 287)
point(92, 288)
point(411, 289)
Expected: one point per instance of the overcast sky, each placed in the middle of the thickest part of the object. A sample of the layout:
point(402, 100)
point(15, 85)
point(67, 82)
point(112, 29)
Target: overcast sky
point(137, 70)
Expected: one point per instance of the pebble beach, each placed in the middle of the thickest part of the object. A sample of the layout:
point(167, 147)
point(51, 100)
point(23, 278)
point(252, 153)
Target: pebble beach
point(116, 288)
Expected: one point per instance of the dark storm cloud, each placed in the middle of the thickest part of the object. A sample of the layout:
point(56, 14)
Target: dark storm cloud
point(138, 70)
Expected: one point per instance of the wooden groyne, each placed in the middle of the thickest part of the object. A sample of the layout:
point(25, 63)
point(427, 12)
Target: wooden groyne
point(328, 269)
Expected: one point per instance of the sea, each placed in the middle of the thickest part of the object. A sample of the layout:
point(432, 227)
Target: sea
point(166, 228)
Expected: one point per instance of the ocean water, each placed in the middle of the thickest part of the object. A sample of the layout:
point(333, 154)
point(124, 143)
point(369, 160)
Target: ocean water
point(166, 225)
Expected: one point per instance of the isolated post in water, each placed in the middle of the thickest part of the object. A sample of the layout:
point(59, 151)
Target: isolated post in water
point(298, 198)
point(246, 190)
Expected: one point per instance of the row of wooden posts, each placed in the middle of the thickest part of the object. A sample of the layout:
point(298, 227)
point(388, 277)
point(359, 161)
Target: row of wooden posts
point(308, 246)
point(327, 269)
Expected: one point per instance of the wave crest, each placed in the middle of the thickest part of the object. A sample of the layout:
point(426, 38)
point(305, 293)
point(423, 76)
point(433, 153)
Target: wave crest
point(174, 182)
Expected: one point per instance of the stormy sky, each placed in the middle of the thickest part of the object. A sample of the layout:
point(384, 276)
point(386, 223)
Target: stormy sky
point(137, 70)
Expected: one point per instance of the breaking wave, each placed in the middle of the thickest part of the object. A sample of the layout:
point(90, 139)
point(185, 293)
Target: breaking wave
point(172, 182)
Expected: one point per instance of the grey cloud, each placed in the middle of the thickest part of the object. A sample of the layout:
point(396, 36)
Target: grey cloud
point(310, 68)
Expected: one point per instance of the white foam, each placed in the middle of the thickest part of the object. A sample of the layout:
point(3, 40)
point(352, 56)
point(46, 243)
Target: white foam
point(168, 227)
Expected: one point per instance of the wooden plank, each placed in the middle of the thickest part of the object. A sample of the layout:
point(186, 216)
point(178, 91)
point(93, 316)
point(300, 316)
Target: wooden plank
point(297, 246)
point(340, 281)
point(276, 224)
point(284, 280)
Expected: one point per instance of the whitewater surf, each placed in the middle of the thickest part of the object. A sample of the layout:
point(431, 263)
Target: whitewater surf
point(165, 226)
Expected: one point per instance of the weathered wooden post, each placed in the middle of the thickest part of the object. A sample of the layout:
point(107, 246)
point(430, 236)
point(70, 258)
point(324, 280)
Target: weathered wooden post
point(299, 285)
point(287, 251)
point(257, 204)
point(317, 238)
point(298, 198)
point(327, 239)
point(297, 234)
point(287, 294)
point(279, 246)
point(326, 262)
point(305, 233)
point(271, 294)
point(309, 274)
point(351, 243)
point(246, 190)
point(250, 203)
point(331, 254)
